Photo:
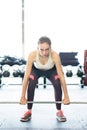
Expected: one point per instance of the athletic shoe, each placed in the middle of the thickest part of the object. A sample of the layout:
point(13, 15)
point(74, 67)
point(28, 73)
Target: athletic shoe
point(60, 116)
point(26, 117)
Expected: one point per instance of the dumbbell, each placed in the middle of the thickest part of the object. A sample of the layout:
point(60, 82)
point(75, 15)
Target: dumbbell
point(15, 70)
point(15, 73)
point(80, 72)
point(22, 70)
point(6, 70)
point(6, 73)
point(0, 73)
point(69, 73)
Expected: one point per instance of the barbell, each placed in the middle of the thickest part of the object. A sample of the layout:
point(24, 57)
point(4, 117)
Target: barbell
point(43, 102)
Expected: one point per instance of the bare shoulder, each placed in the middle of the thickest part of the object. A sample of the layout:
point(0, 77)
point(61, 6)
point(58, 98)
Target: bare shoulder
point(55, 55)
point(56, 59)
point(32, 56)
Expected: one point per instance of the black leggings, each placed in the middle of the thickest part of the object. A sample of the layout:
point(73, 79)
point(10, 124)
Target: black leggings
point(33, 80)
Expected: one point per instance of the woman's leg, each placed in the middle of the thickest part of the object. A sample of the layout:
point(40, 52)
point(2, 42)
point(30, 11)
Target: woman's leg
point(33, 80)
point(57, 90)
point(54, 78)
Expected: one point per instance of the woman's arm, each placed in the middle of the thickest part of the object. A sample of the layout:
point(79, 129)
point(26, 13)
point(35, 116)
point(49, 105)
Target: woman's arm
point(58, 65)
point(31, 59)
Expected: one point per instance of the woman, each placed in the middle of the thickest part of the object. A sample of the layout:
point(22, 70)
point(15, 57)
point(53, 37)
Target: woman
point(44, 62)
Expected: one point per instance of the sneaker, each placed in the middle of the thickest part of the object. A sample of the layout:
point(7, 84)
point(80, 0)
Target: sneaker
point(26, 117)
point(60, 116)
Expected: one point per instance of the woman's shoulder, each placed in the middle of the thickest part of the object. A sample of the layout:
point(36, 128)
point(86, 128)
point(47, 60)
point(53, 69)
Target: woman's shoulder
point(32, 55)
point(55, 55)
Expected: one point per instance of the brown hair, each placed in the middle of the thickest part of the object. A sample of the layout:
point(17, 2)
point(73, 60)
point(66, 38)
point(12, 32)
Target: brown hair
point(44, 39)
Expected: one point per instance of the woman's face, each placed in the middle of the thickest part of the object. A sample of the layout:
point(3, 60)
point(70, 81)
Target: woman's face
point(44, 49)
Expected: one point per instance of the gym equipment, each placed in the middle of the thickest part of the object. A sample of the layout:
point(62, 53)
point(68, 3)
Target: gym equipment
point(11, 60)
point(15, 69)
point(44, 83)
point(22, 70)
point(43, 102)
point(69, 73)
point(15, 73)
point(0, 82)
point(85, 61)
point(1, 73)
point(85, 68)
point(6, 70)
point(6, 73)
point(80, 72)
point(69, 58)
point(11, 67)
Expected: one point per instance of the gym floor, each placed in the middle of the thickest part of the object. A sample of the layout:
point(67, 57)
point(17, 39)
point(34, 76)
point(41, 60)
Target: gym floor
point(43, 115)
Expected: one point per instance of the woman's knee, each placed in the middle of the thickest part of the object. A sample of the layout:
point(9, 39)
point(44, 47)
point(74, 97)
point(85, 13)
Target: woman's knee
point(33, 79)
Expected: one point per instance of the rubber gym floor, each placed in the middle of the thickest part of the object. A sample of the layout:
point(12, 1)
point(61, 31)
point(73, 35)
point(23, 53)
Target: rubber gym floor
point(43, 115)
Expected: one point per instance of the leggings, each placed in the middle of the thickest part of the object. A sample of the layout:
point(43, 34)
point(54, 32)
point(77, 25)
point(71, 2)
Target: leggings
point(33, 80)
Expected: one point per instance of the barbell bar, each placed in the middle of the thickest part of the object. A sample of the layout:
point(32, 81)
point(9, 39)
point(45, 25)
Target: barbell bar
point(43, 102)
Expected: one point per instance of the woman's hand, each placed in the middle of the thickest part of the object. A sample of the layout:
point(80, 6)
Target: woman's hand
point(66, 101)
point(23, 100)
